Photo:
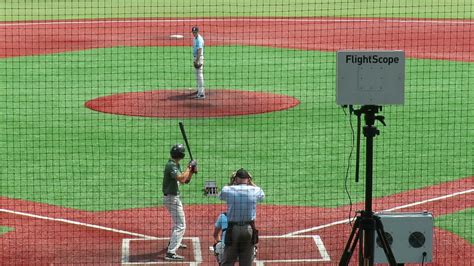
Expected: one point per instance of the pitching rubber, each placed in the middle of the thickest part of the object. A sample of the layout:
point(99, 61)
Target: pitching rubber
point(176, 36)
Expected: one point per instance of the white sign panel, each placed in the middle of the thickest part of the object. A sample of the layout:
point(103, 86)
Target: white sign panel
point(370, 77)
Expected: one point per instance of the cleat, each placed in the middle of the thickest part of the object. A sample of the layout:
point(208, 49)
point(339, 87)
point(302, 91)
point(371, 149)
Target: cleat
point(183, 246)
point(193, 91)
point(199, 96)
point(173, 257)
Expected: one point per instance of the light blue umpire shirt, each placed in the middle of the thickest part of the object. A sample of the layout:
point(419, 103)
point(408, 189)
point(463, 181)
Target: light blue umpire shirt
point(241, 201)
point(198, 42)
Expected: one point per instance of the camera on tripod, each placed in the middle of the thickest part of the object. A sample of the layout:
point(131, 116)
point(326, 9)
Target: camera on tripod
point(370, 79)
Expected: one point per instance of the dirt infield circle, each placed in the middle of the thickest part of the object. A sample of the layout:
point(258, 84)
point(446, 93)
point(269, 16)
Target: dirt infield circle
point(181, 104)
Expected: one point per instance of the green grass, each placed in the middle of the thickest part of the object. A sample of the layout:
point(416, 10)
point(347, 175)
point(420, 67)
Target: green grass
point(57, 9)
point(4, 229)
point(55, 150)
point(460, 223)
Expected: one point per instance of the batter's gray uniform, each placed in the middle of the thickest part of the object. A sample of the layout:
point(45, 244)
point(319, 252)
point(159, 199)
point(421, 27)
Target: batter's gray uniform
point(172, 202)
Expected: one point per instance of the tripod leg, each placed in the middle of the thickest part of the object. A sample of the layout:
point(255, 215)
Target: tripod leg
point(368, 249)
point(351, 244)
point(385, 245)
point(361, 247)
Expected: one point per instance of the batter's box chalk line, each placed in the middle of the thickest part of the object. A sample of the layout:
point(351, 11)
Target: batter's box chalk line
point(324, 255)
point(317, 240)
point(126, 251)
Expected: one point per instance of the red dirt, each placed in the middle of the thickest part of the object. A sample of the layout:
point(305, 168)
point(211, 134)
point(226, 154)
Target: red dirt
point(61, 240)
point(431, 39)
point(177, 104)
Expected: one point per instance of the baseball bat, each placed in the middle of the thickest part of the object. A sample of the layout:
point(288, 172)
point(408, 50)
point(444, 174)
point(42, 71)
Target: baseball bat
point(183, 132)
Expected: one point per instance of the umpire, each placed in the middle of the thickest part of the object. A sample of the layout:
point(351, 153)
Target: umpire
point(241, 235)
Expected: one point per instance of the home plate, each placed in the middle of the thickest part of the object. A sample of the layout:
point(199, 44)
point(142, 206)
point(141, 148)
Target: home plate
point(176, 36)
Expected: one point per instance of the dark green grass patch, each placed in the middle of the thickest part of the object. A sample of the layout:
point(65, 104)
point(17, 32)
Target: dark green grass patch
point(460, 223)
point(55, 150)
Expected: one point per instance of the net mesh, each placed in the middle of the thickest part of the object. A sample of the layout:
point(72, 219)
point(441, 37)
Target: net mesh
point(91, 93)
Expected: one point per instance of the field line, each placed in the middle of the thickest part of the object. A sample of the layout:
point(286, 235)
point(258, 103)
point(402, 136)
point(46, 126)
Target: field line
point(198, 259)
point(319, 227)
point(67, 221)
point(319, 245)
point(322, 249)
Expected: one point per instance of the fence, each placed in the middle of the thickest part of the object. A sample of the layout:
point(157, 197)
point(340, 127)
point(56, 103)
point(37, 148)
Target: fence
point(92, 93)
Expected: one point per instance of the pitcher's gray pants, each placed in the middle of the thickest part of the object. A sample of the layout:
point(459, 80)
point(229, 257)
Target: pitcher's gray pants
point(200, 78)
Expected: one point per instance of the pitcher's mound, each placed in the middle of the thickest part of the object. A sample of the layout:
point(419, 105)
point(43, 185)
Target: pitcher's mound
point(181, 104)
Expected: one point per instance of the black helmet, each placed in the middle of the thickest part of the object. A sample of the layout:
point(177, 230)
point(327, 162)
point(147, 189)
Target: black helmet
point(177, 151)
point(242, 173)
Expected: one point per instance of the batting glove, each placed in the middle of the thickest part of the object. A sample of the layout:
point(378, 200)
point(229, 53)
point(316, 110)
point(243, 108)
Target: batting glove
point(193, 165)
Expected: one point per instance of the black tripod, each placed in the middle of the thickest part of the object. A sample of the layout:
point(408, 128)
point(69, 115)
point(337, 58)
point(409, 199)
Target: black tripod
point(366, 224)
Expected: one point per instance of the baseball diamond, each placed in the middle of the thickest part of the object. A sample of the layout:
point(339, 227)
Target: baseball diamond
point(92, 97)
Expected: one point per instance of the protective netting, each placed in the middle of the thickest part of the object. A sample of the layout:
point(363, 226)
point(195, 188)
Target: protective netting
point(91, 93)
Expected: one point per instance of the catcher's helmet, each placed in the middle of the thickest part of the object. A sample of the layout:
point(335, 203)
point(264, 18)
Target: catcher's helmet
point(177, 151)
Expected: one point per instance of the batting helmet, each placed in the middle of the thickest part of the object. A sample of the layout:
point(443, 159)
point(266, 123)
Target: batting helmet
point(195, 29)
point(178, 151)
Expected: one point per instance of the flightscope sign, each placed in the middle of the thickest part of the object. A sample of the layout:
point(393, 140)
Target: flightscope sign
point(370, 77)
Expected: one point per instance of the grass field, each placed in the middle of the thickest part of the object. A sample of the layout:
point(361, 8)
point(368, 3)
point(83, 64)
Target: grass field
point(57, 9)
point(75, 156)
point(54, 150)
point(4, 229)
point(459, 223)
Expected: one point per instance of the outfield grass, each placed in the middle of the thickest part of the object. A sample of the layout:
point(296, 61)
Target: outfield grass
point(460, 223)
point(62, 9)
point(55, 150)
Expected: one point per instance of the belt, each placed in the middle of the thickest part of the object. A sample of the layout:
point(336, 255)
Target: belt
point(164, 194)
point(241, 223)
